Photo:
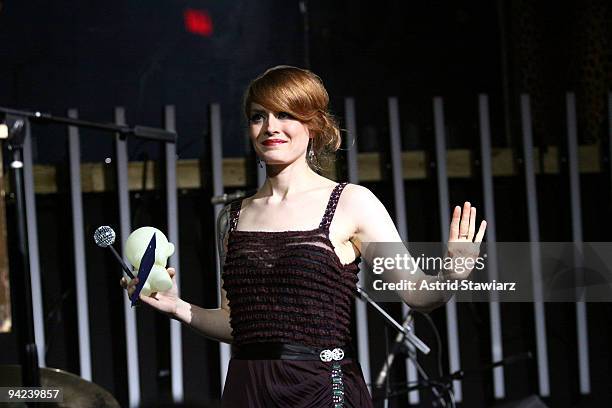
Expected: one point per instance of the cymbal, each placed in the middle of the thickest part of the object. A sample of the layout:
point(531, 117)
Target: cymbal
point(77, 391)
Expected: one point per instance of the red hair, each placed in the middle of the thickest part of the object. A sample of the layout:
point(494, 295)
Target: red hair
point(301, 94)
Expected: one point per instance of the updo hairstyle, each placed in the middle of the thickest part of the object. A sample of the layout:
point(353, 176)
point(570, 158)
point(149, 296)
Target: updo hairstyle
point(301, 94)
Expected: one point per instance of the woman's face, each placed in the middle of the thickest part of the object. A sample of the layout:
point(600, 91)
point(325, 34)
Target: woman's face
point(278, 138)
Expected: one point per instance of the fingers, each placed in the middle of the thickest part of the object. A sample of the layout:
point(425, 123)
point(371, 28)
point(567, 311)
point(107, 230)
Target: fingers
point(149, 300)
point(129, 286)
point(465, 221)
point(472, 226)
point(132, 286)
point(454, 227)
point(481, 231)
point(463, 224)
point(171, 272)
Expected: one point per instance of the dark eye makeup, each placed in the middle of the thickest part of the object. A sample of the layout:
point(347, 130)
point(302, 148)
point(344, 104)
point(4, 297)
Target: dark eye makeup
point(257, 116)
point(284, 115)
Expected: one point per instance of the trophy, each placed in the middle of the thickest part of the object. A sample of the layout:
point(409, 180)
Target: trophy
point(148, 250)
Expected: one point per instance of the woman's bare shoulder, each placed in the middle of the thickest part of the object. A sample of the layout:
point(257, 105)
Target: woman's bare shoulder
point(354, 193)
point(369, 215)
point(360, 203)
point(356, 201)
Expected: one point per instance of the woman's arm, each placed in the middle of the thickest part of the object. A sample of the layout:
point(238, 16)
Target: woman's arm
point(212, 323)
point(374, 225)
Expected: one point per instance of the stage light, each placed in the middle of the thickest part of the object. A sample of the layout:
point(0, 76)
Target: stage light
point(16, 164)
point(11, 128)
point(198, 22)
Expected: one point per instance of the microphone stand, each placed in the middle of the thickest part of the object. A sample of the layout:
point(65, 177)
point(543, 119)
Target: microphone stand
point(409, 335)
point(30, 373)
point(143, 132)
point(445, 382)
point(408, 339)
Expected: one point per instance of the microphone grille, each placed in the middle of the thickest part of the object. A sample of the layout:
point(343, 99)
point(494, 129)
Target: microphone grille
point(104, 236)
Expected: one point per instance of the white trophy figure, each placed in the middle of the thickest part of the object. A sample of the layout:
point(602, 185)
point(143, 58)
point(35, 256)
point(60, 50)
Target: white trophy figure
point(135, 247)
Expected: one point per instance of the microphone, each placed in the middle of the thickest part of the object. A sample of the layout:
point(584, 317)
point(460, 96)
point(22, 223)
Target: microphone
point(226, 198)
point(104, 236)
point(397, 345)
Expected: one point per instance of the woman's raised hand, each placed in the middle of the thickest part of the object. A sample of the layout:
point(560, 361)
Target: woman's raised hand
point(463, 245)
point(165, 302)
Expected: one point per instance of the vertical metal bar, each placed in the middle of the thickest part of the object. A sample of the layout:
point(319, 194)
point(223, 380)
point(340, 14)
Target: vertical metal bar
point(74, 150)
point(396, 168)
point(400, 215)
point(261, 167)
point(361, 315)
point(581, 316)
point(497, 353)
point(6, 314)
point(217, 174)
point(534, 238)
point(351, 131)
point(125, 226)
point(176, 345)
point(261, 174)
point(451, 306)
point(32, 233)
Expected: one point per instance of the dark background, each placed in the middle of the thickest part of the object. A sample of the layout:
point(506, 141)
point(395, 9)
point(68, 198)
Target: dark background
point(139, 55)
point(97, 55)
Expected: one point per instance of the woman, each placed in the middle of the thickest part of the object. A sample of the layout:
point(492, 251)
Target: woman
point(291, 259)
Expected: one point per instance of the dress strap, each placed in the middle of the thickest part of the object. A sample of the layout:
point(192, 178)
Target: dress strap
point(331, 205)
point(234, 214)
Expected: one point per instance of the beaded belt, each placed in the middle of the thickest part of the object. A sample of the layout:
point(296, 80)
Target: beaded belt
point(284, 351)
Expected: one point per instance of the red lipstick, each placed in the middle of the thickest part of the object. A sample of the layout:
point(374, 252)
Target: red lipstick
point(273, 142)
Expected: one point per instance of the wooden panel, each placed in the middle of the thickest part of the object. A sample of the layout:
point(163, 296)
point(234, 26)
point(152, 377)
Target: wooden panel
point(589, 159)
point(458, 163)
point(414, 165)
point(95, 177)
point(502, 162)
point(368, 165)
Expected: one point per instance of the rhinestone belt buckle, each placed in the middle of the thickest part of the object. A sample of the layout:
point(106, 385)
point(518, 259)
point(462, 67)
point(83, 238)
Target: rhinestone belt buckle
point(336, 354)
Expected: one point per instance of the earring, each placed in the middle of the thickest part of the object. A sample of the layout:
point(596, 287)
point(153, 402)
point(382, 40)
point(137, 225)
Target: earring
point(311, 153)
point(259, 162)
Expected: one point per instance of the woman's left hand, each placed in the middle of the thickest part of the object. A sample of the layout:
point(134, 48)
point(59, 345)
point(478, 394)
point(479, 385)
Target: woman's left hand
point(463, 247)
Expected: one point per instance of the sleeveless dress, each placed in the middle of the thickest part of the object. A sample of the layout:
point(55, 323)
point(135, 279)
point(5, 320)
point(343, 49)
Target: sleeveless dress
point(291, 288)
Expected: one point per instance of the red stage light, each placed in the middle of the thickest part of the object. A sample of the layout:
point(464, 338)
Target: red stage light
point(198, 22)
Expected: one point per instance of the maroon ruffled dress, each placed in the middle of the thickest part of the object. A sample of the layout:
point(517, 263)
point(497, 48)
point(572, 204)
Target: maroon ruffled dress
point(290, 288)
